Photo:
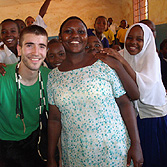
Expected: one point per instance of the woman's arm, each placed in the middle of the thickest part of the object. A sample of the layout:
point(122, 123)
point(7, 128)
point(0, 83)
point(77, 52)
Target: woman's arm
point(128, 83)
point(54, 131)
point(129, 117)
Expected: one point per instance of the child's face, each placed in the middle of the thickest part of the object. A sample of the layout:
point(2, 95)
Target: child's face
point(164, 51)
point(135, 40)
point(123, 24)
point(94, 45)
point(56, 54)
point(29, 21)
point(10, 34)
point(100, 25)
point(21, 24)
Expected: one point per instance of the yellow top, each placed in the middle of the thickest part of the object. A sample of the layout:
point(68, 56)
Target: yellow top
point(121, 35)
point(110, 36)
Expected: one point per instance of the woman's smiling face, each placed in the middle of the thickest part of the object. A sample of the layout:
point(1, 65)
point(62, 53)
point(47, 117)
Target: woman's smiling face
point(10, 34)
point(135, 40)
point(74, 36)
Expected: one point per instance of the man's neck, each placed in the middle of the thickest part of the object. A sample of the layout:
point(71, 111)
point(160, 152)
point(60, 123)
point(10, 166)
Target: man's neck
point(28, 77)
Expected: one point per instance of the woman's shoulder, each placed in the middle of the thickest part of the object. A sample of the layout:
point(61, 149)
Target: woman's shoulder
point(103, 67)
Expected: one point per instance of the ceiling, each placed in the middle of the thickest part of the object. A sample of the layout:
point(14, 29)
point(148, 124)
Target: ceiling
point(5, 3)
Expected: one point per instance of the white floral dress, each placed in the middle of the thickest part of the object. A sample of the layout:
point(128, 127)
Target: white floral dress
point(93, 132)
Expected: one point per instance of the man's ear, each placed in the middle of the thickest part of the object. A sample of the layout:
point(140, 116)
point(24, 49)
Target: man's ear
point(19, 50)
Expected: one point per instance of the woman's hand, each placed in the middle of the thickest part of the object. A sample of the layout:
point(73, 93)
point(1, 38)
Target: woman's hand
point(107, 58)
point(135, 153)
point(115, 54)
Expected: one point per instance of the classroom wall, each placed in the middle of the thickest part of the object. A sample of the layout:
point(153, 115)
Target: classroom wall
point(59, 10)
point(88, 10)
point(157, 13)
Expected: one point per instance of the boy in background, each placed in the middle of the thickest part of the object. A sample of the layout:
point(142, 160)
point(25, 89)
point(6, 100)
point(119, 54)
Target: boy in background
point(110, 36)
point(99, 27)
point(121, 33)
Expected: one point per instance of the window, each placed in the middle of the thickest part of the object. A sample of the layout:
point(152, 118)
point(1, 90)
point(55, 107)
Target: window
point(140, 10)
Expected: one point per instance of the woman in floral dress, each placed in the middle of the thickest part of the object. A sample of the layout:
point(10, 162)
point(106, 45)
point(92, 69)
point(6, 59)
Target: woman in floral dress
point(89, 108)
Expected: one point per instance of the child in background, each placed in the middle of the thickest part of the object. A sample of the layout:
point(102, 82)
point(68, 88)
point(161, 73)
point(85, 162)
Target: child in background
point(9, 35)
point(100, 26)
point(112, 26)
point(39, 20)
point(9, 32)
point(21, 24)
point(55, 54)
point(144, 67)
point(121, 33)
point(94, 47)
point(151, 25)
point(109, 35)
point(163, 58)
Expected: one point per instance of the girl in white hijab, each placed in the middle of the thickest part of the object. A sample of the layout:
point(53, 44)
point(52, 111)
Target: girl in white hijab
point(142, 63)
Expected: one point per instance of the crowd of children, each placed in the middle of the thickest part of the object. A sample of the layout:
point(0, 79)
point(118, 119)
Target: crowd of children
point(89, 66)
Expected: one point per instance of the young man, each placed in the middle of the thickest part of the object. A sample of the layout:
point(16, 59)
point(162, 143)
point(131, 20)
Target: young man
point(21, 101)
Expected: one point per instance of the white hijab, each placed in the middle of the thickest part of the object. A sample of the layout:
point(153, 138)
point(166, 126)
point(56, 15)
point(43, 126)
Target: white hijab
point(146, 64)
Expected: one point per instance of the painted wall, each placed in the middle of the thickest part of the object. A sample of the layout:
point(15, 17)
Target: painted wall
point(59, 10)
point(88, 10)
point(157, 11)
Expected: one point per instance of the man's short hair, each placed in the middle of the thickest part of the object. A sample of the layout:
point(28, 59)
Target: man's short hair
point(33, 29)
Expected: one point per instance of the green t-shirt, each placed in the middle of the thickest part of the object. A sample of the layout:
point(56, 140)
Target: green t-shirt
point(11, 128)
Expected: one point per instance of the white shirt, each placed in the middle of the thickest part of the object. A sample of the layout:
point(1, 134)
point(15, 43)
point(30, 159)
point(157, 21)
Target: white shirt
point(40, 22)
point(113, 27)
point(7, 56)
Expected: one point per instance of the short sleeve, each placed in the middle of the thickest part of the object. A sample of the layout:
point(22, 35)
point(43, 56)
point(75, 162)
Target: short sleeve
point(117, 87)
